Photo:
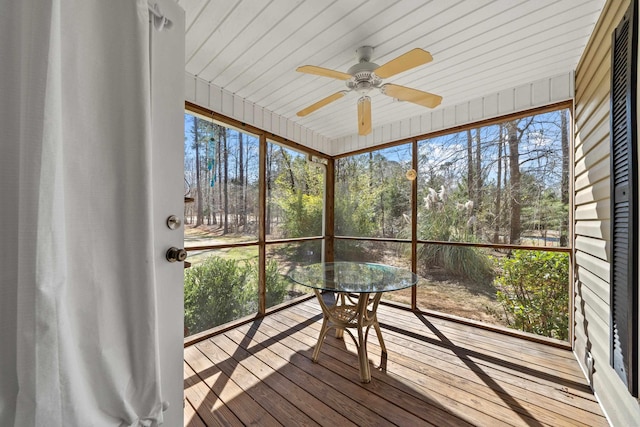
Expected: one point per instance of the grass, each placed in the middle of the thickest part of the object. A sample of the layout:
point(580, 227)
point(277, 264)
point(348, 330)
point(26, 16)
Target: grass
point(243, 253)
point(212, 235)
point(209, 235)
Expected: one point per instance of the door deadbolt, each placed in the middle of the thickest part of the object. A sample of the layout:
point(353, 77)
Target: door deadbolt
point(175, 254)
point(174, 222)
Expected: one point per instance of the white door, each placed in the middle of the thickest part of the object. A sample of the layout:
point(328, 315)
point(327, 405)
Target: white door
point(167, 104)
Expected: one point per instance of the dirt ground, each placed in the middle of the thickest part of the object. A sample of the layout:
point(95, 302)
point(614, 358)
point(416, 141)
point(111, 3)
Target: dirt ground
point(438, 292)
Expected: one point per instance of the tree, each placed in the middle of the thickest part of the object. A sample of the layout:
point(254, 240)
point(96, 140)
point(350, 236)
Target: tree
point(241, 180)
point(301, 204)
point(225, 181)
point(470, 178)
point(498, 204)
point(199, 214)
point(514, 190)
point(356, 197)
point(564, 188)
point(269, 184)
point(477, 199)
point(221, 132)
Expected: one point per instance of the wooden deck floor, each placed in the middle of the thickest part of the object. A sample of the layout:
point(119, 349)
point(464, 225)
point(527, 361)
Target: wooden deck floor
point(439, 373)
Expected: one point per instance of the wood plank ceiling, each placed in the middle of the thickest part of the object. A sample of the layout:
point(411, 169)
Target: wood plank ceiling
point(251, 48)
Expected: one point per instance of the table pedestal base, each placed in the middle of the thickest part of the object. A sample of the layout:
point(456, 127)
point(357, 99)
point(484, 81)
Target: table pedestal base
point(347, 313)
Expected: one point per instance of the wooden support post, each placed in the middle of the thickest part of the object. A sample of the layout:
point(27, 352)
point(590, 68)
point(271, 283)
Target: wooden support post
point(262, 218)
point(329, 211)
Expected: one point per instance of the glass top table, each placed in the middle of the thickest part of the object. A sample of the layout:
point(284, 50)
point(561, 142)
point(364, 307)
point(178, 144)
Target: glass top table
point(353, 277)
point(367, 281)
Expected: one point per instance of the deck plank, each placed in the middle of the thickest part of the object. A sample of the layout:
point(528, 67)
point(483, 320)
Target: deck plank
point(508, 374)
point(324, 405)
point(485, 411)
point(191, 417)
point(243, 406)
point(208, 406)
point(378, 411)
point(431, 408)
point(319, 412)
point(483, 380)
point(440, 373)
point(278, 407)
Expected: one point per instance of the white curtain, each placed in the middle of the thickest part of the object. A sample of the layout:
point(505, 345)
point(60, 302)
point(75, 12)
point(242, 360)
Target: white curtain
point(78, 335)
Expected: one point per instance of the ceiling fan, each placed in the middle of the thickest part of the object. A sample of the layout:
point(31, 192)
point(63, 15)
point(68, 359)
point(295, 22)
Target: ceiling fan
point(366, 75)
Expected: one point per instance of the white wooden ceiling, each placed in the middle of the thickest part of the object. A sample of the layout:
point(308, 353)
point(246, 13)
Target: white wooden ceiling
point(251, 49)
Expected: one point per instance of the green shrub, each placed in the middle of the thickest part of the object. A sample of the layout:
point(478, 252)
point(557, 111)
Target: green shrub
point(461, 261)
point(277, 285)
point(220, 290)
point(443, 219)
point(533, 291)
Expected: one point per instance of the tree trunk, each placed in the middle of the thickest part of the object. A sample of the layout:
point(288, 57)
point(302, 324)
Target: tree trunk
point(225, 182)
point(221, 131)
point(497, 219)
point(199, 214)
point(514, 173)
point(210, 173)
point(241, 206)
point(382, 214)
point(478, 174)
point(267, 225)
point(236, 193)
point(287, 161)
point(470, 179)
point(564, 186)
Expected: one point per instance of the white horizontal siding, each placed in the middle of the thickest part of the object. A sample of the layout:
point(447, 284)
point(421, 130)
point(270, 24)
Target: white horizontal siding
point(598, 290)
point(599, 171)
point(596, 135)
point(592, 219)
point(593, 211)
point(597, 247)
point(593, 264)
point(600, 229)
point(597, 191)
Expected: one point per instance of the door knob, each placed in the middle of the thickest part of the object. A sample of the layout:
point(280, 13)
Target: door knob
point(175, 254)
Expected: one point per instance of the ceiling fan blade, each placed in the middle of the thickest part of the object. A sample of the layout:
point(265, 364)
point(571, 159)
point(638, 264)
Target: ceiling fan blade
point(364, 115)
point(404, 62)
point(329, 99)
point(419, 97)
point(324, 72)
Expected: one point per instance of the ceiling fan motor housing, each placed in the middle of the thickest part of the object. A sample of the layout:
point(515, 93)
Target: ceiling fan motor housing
point(363, 79)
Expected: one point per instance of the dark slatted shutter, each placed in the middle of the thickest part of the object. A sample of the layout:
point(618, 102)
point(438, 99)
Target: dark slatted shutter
point(624, 210)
